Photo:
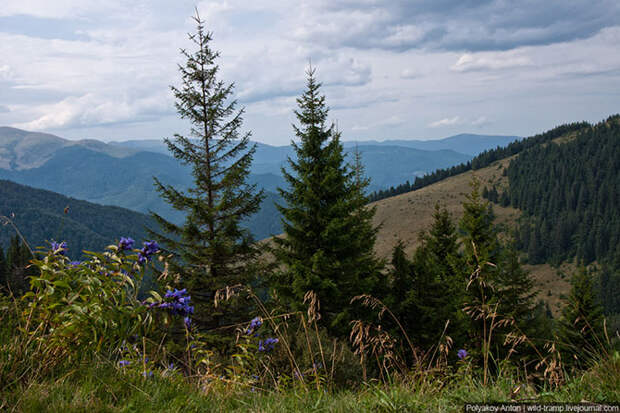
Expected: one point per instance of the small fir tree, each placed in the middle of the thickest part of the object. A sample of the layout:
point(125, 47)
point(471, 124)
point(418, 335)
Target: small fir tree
point(581, 324)
point(211, 249)
point(439, 281)
point(329, 239)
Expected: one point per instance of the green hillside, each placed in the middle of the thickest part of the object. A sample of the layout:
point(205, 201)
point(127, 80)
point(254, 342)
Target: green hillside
point(40, 216)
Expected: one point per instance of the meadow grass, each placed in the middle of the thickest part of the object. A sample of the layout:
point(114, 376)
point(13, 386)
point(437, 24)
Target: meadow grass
point(103, 387)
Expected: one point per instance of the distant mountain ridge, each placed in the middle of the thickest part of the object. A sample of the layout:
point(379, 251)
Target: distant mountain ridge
point(21, 149)
point(466, 143)
point(121, 173)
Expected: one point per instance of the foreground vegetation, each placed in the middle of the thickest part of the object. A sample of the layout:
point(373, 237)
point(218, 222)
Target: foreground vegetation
point(82, 339)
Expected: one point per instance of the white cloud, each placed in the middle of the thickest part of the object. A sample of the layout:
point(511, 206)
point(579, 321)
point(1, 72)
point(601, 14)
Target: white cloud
point(409, 74)
point(5, 72)
point(57, 8)
point(480, 121)
point(92, 110)
point(490, 61)
point(446, 122)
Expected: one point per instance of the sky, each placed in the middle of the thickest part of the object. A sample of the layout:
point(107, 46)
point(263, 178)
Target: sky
point(391, 69)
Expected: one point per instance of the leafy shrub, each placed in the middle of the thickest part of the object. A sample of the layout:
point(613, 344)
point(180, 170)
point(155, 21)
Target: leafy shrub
point(75, 309)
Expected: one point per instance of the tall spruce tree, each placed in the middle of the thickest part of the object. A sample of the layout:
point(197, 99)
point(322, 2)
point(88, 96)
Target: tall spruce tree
point(329, 239)
point(211, 249)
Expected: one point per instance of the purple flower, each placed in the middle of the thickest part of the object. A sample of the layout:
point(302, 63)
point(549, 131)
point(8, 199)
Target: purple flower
point(142, 258)
point(149, 248)
point(124, 363)
point(254, 324)
point(188, 322)
point(177, 302)
point(75, 263)
point(267, 344)
point(462, 353)
point(125, 243)
point(59, 248)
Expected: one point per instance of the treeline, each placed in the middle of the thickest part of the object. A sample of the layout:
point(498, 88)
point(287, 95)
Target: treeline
point(483, 160)
point(570, 193)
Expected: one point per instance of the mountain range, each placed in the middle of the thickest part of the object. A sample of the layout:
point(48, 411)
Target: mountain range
point(121, 173)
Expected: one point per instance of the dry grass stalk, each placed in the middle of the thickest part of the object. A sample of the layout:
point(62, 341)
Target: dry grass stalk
point(375, 303)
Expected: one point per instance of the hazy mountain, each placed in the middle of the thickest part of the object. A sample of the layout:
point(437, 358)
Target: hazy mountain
point(21, 149)
point(122, 173)
point(466, 143)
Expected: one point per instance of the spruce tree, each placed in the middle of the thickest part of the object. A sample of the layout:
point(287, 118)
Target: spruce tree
point(481, 258)
point(402, 297)
point(211, 249)
point(329, 239)
point(439, 281)
point(581, 325)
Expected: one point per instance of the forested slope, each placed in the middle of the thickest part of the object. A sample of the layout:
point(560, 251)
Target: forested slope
point(44, 215)
point(571, 195)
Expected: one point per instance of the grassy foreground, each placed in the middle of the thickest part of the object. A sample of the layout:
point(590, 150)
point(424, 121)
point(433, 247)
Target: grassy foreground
point(104, 387)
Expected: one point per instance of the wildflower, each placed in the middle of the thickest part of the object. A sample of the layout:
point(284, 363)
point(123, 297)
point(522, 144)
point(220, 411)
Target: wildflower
point(267, 344)
point(178, 303)
point(188, 322)
point(147, 374)
point(254, 324)
point(75, 263)
point(149, 248)
point(59, 248)
point(124, 363)
point(462, 354)
point(125, 243)
point(142, 258)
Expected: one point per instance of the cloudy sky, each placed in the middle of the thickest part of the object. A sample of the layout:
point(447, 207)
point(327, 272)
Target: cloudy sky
point(392, 69)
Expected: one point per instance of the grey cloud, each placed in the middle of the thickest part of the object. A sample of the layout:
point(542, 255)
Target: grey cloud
point(42, 27)
point(459, 25)
point(334, 70)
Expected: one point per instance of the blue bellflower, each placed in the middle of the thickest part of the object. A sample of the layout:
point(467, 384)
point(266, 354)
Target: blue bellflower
point(125, 243)
point(267, 345)
point(59, 248)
